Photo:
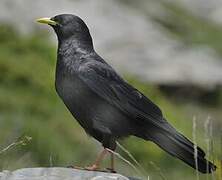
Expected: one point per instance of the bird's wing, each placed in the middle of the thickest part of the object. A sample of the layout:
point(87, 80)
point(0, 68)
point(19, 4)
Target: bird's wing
point(106, 83)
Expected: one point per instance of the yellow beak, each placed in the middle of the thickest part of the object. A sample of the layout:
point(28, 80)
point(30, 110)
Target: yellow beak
point(47, 21)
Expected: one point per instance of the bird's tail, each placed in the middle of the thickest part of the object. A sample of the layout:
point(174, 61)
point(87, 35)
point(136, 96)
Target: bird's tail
point(179, 146)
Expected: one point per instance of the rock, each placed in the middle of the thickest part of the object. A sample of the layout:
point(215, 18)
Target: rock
point(57, 173)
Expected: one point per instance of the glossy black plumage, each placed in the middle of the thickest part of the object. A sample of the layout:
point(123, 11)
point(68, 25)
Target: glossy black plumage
point(104, 104)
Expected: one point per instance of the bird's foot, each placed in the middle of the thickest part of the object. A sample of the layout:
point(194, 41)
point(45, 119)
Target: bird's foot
point(94, 167)
point(75, 167)
point(111, 170)
point(70, 166)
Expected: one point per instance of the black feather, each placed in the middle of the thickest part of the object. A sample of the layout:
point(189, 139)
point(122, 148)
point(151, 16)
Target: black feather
point(105, 105)
point(178, 146)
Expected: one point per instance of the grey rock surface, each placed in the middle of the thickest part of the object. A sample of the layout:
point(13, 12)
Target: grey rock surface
point(58, 173)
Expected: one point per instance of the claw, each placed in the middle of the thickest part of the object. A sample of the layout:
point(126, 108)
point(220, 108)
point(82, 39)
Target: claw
point(75, 167)
point(94, 167)
point(111, 170)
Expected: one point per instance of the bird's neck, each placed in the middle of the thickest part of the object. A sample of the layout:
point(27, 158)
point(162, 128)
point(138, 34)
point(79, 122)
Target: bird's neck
point(76, 42)
point(74, 49)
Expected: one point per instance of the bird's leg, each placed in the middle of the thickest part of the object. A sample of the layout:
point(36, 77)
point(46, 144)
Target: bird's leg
point(112, 167)
point(112, 161)
point(100, 157)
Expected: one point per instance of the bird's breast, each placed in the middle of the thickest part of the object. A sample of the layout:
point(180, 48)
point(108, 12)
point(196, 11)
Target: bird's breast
point(69, 87)
point(89, 109)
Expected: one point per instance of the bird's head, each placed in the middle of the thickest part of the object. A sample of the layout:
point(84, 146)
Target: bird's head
point(68, 26)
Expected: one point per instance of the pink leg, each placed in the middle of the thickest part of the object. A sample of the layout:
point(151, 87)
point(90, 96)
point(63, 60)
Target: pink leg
point(95, 166)
point(112, 167)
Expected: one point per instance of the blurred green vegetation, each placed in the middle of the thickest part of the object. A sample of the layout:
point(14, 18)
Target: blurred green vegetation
point(180, 23)
point(29, 105)
point(191, 29)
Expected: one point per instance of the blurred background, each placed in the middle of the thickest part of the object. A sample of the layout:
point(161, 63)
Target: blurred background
point(171, 50)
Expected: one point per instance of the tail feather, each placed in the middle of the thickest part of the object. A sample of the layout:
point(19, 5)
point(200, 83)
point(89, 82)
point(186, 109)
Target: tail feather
point(178, 146)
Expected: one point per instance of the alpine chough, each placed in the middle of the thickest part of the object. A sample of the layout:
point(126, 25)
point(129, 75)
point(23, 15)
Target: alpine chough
point(104, 104)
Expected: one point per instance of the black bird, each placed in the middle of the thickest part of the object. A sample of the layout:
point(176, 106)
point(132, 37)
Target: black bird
point(106, 106)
